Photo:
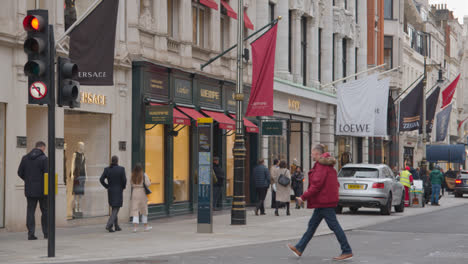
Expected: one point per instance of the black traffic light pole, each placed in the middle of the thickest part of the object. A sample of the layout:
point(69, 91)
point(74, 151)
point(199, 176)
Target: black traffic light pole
point(51, 139)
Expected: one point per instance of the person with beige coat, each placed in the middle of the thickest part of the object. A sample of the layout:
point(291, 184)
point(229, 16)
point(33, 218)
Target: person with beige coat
point(139, 199)
point(283, 193)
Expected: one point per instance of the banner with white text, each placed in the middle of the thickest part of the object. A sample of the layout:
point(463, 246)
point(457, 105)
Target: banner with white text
point(356, 107)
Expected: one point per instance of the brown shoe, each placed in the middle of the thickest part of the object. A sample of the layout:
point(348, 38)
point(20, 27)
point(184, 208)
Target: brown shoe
point(294, 250)
point(344, 257)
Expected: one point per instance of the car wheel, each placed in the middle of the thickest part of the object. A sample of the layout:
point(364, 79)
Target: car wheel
point(401, 207)
point(354, 209)
point(339, 209)
point(458, 194)
point(387, 208)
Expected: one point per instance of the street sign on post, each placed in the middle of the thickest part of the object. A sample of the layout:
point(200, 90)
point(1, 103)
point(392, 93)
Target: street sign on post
point(205, 175)
point(39, 51)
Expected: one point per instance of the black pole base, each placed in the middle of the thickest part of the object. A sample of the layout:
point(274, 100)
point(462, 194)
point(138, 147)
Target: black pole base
point(238, 214)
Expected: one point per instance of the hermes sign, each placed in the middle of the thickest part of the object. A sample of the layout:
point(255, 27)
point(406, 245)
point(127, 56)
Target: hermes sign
point(294, 105)
point(91, 98)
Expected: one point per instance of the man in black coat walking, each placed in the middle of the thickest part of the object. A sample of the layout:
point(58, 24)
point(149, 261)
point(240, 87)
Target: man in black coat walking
point(262, 182)
point(116, 183)
point(31, 170)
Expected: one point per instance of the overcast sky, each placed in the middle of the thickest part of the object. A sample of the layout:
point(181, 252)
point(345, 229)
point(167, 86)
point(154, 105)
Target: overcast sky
point(459, 7)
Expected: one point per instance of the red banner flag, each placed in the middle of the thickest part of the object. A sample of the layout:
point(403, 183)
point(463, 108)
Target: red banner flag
point(263, 64)
point(448, 93)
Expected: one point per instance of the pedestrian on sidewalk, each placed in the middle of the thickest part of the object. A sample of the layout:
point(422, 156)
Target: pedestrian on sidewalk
point(322, 195)
point(139, 205)
point(218, 183)
point(273, 170)
point(116, 183)
point(298, 184)
point(436, 180)
point(262, 182)
point(31, 170)
point(407, 180)
point(283, 187)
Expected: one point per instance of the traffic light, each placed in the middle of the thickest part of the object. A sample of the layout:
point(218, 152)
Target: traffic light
point(39, 67)
point(68, 87)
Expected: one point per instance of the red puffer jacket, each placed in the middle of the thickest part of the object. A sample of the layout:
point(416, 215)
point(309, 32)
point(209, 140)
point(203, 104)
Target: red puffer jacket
point(323, 184)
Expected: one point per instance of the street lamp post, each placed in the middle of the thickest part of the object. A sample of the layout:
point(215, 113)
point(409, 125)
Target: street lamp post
point(238, 214)
point(424, 126)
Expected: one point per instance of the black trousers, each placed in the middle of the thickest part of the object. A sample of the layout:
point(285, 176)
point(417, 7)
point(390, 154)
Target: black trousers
point(113, 219)
point(217, 195)
point(261, 192)
point(30, 219)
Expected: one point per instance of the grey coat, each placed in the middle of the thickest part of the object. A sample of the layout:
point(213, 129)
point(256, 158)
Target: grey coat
point(262, 176)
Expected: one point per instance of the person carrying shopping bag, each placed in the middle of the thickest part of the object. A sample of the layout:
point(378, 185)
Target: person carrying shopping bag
point(140, 188)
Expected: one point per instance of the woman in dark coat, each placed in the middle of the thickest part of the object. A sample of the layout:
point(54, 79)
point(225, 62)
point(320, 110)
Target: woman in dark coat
point(116, 183)
point(298, 183)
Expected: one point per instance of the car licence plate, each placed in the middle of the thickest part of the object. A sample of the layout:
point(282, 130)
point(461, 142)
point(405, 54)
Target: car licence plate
point(355, 187)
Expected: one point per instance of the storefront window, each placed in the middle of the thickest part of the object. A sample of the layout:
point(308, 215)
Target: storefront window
point(86, 154)
point(154, 158)
point(295, 145)
point(277, 146)
point(230, 165)
point(182, 165)
point(2, 163)
point(344, 147)
point(306, 163)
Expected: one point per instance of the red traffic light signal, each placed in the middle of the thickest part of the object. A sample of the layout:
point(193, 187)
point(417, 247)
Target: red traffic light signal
point(33, 23)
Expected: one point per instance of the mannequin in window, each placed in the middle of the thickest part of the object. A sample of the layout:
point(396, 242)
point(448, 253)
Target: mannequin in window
point(67, 180)
point(78, 170)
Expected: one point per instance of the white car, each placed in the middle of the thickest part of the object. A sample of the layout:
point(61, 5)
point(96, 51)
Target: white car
point(370, 185)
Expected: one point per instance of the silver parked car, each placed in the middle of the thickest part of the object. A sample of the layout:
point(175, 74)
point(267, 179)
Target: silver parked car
point(370, 185)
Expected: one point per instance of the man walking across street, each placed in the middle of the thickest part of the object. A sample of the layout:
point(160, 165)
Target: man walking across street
point(322, 195)
point(436, 180)
point(31, 170)
point(219, 183)
point(407, 180)
point(262, 182)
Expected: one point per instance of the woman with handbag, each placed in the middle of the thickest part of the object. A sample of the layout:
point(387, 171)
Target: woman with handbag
point(298, 184)
point(140, 190)
point(283, 186)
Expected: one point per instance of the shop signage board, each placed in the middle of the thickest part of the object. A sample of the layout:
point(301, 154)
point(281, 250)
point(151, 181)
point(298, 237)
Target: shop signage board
point(210, 95)
point(183, 91)
point(159, 114)
point(205, 188)
point(272, 128)
point(156, 83)
point(230, 103)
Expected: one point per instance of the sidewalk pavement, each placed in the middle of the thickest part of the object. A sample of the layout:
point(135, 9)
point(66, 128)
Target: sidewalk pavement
point(178, 235)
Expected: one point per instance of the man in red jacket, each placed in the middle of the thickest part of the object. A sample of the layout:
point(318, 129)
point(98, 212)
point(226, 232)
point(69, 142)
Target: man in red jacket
point(322, 195)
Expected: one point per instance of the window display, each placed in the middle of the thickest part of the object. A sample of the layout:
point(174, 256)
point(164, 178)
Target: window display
point(154, 162)
point(86, 154)
point(182, 165)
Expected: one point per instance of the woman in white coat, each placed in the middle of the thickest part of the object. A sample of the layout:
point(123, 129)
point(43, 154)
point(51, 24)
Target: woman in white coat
point(283, 192)
point(139, 198)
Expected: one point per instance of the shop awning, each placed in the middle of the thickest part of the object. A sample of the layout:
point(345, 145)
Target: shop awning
point(210, 4)
point(247, 23)
point(448, 153)
point(249, 126)
point(230, 12)
point(177, 116)
point(194, 114)
point(224, 121)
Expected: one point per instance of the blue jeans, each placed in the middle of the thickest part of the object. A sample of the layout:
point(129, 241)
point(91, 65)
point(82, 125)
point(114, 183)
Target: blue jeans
point(435, 193)
point(330, 217)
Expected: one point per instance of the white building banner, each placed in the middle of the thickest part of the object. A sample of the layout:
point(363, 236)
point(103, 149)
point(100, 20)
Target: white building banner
point(381, 108)
point(356, 107)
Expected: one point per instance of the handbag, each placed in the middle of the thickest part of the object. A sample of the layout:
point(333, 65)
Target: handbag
point(283, 180)
point(147, 189)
